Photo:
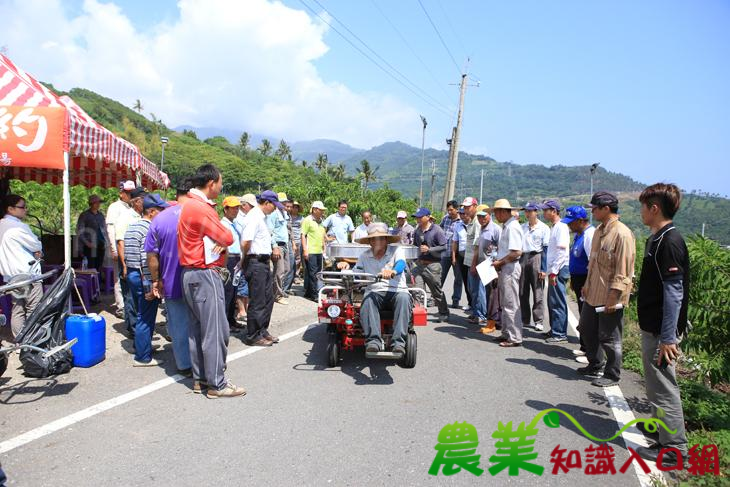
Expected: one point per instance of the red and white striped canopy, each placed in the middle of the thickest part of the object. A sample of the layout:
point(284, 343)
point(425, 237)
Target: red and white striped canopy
point(97, 156)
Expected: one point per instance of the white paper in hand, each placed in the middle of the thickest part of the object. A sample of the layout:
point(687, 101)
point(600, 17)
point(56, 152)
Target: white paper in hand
point(210, 256)
point(487, 273)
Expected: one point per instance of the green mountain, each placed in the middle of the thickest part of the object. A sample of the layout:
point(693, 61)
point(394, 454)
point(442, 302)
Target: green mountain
point(397, 178)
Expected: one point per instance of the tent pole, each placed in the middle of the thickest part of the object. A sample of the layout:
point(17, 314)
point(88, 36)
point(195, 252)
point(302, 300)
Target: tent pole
point(66, 213)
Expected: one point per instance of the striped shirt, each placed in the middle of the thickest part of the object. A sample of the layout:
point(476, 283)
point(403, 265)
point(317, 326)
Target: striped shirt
point(134, 255)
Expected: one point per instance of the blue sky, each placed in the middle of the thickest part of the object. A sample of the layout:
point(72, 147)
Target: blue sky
point(642, 87)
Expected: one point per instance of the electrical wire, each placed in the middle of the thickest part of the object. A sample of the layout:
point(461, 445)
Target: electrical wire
point(439, 36)
point(393, 68)
point(451, 26)
point(373, 61)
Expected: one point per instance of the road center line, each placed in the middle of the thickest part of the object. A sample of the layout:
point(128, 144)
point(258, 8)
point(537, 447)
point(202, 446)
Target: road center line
point(623, 414)
point(66, 421)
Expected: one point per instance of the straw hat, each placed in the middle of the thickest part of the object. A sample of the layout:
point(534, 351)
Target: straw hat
point(503, 204)
point(378, 229)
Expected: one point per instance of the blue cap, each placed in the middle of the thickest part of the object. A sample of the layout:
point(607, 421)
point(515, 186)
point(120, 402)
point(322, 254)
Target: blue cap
point(269, 195)
point(421, 212)
point(574, 213)
point(531, 206)
point(550, 205)
point(461, 210)
point(154, 200)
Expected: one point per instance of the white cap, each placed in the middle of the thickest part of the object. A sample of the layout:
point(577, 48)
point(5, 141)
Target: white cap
point(128, 185)
point(318, 205)
point(248, 198)
point(402, 214)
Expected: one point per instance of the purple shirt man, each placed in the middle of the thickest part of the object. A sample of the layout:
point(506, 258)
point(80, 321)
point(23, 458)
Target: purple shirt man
point(162, 240)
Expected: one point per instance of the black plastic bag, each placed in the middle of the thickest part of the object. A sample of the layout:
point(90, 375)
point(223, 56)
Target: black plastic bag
point(45, 328)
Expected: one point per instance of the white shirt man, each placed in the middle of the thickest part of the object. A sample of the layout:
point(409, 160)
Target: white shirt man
point(558, 255)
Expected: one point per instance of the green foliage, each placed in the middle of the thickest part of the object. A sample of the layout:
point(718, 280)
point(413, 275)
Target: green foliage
point(721, 438)
point(704, 408)
point(709, 309)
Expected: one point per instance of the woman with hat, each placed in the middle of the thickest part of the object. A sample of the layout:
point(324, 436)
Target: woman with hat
point(390, 293)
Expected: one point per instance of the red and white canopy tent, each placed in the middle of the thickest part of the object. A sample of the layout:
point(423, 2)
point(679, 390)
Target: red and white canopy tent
point(47, 138)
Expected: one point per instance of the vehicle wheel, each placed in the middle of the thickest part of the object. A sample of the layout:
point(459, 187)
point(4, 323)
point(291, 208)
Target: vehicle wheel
point(3, 363)
point(334, 348)
point(409, 359)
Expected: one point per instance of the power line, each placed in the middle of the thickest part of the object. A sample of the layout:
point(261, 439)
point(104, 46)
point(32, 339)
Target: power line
point(438, 106)
point(439, 36)
point(413, 51)
point(453, 31)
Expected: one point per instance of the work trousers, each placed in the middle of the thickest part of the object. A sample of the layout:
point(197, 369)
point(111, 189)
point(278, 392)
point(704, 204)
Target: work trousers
point(281, 269)
point(530, 282)
point(558, 304)
point(399, 303)
point(144, 326)
point(230, 289)
point(602, 334)
point(465, 277)
point(209, 331)
point(118, 294)
point(577, 281)
point(663, 393)
point(445, 266)
point(178, 326)
point(509, 295)
point(429, 274)
point(261, 298)
point(289, 279)
point(22, 308)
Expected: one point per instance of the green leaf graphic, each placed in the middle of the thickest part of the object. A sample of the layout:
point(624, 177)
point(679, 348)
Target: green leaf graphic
point(660, 413)
point(552, 419)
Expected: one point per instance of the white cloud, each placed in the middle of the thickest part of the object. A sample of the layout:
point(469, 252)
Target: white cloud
point(224, 63)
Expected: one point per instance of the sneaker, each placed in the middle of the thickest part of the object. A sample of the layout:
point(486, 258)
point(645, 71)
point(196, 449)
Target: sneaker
point(590, 372)
point(579, 353)
point(455, 305)
point(282, 300)
point(229, 390)
point(151, 363)
point(443, 318)
point(399, 350)
point(199, 386)
point(604, 382)
point(669, 459)
point(581, 359)
point(465, 308)
point(188, 373)
point(539, 327)
point(429, 302)
point(553, 339)
point(372, 347)
point(473, 319)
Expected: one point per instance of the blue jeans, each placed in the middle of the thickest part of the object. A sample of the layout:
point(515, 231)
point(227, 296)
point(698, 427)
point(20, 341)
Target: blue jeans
point(558, 304)
point(130, 303)
point(178, 325)
point(478, 296)
point(445, 265)
point(146, 316)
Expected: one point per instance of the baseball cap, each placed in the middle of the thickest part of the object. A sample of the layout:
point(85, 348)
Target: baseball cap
point(154, 201)
point(248, 198)
point(269, 195)
point(126, 185)
point(573, 213)
point(421, 212)
point(137, 193)
point(461, 210)
point(532, 206)
point(550, 205)
point(603, 198)
point(469, 201)
point(283, 197)
point(402, 214)
point(231, 202)
point(482, 208)
point(319, 205)
point(297, 204)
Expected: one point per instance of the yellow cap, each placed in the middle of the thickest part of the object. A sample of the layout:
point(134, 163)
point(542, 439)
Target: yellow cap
point(231, 202)
point(482, 208)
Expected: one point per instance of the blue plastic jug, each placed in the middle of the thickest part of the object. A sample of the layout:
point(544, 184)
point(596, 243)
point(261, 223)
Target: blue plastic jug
point(90, 330)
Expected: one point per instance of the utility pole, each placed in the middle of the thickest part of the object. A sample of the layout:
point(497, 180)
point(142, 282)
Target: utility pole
point(703, 230)
point(481, 188)
point(454, 155)
point(433, 180)
point(423, 153)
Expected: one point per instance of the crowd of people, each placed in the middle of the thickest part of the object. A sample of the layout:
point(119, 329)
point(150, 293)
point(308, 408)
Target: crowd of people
point(217, 274)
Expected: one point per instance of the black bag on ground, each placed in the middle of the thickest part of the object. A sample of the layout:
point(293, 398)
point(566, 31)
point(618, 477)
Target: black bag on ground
point(44, 328)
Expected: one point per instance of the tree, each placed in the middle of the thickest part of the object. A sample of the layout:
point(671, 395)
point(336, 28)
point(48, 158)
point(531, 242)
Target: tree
point(190, 133)
point(138, 106)
point(265, 148)
point(322, 162)
point(368, 173)
point(243, 142)
point(338, 172)
point(284, 151)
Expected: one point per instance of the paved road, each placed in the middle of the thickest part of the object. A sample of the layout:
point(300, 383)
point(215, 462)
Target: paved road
point(365, 422)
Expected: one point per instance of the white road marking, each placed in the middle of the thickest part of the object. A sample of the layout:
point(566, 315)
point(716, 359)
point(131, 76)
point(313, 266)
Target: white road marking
point(622, 413)
point(76, 417)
